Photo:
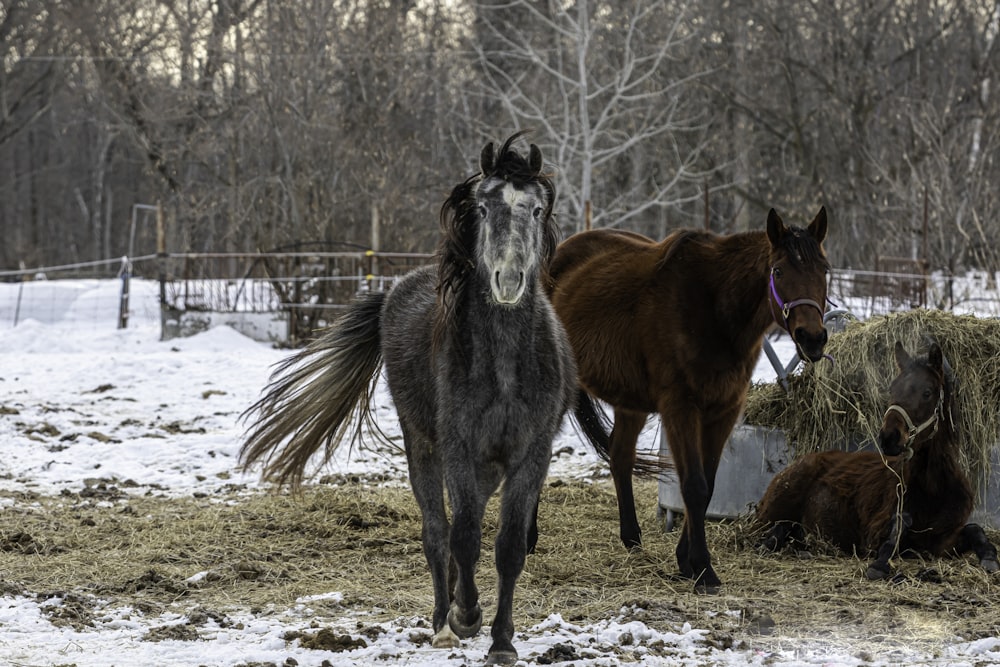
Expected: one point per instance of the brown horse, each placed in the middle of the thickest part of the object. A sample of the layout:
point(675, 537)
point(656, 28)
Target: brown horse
point(852, 499)
point(676, 327)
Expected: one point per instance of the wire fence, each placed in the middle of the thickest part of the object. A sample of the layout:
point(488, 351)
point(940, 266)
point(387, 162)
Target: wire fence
point(286, 297)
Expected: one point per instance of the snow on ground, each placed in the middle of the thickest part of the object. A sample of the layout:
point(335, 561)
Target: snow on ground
point(165, 415)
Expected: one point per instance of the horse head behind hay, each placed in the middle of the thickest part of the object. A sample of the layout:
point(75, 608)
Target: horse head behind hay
point(913, 497)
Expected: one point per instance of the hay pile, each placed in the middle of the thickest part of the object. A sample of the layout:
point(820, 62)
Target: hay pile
point(834, 405)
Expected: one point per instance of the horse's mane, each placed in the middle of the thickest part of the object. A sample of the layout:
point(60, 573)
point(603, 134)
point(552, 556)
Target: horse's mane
point(459, 220)
point(951, 416)
point(800, 246)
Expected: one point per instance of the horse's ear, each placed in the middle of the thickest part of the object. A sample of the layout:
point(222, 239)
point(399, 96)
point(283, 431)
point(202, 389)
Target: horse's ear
point(902, 357)
point(775, 228)
point(818, 226)
point(935, 359)
point(535, 159)
point(486, 159)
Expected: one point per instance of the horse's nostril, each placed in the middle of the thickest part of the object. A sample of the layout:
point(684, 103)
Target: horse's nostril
point(804, 337)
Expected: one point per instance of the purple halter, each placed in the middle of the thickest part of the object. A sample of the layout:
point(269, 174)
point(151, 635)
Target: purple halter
point(786, 308)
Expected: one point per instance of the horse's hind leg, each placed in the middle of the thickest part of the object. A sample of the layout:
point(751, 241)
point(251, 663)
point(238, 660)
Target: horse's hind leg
point(697, 448)
point(624, 436)
point(427, 483)
point(533, 530)
point(973, 538)
point(781, 533)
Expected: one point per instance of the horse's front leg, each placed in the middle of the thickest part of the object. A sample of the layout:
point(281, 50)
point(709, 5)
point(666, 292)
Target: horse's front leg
point(624, 436)
point(973, 538)
point(465, 616)
point(427, 483)
point(518, 505)
point(879, 568)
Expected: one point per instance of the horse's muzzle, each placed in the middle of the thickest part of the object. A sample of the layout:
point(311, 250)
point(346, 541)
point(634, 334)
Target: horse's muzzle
point(810, 344)
point(507, 285)
point(891, 440)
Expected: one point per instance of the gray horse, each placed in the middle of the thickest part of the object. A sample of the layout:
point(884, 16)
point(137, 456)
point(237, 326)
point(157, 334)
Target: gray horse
point(480, 371)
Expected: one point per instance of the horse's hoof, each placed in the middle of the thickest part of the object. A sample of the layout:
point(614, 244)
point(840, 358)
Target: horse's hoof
point(458, 622)
point(990, 564)
point(704, 588)
point(445, 638)
point(501, 657)
point(632, 543)
point(876, 573)
point(707, 584)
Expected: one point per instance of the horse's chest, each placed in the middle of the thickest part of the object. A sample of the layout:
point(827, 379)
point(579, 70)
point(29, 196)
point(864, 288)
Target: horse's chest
point(492, 377)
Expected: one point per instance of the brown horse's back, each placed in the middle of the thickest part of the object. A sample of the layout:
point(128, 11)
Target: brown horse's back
point(652, 322)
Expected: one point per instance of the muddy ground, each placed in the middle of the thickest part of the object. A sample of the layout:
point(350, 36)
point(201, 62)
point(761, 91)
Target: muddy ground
point(108, 543)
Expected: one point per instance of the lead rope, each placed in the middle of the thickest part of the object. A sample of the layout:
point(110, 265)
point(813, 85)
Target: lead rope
point(911, 433)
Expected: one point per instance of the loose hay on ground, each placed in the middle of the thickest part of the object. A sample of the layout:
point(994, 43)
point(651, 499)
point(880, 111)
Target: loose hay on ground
point(262, 552)
point(835, 405)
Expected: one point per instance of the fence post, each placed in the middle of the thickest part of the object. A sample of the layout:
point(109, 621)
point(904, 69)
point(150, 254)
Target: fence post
point(161, 262)
point(17, 308)
point(125, 273)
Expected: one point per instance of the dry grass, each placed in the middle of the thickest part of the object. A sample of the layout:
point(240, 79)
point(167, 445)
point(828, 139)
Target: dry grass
point(261, 552)
point(832, 404)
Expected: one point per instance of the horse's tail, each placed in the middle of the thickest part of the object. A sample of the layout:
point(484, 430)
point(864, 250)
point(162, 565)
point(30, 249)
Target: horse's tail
point(594, 424)
point(596, 429)
point(312, 396)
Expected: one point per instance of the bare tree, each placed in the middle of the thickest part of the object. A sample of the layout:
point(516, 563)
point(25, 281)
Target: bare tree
point(604, 86)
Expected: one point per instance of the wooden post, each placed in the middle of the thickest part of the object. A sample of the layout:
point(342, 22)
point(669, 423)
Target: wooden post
point(708, 217)
point(925, 250)
point(373, 267)
point(126, 275)
point(926, 263)
point(161, 265)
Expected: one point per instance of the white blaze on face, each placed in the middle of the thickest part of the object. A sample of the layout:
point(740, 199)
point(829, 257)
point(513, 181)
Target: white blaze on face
point(509, 236)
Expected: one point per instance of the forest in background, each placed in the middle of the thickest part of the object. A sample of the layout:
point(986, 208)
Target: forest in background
point(266, 124)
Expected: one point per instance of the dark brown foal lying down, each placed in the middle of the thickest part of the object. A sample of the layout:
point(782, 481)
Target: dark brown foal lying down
point(852, 499)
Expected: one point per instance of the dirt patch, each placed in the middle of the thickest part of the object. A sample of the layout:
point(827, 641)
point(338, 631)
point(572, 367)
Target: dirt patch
point(262, 552)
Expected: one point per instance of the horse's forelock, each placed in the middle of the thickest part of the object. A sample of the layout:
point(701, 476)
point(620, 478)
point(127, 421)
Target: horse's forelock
point(802, 248)
point(513, 167)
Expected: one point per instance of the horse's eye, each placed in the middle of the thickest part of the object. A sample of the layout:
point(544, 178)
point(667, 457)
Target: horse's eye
point(777, 272)
point(927, 393)
point(482, 210)
point(537, 213)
